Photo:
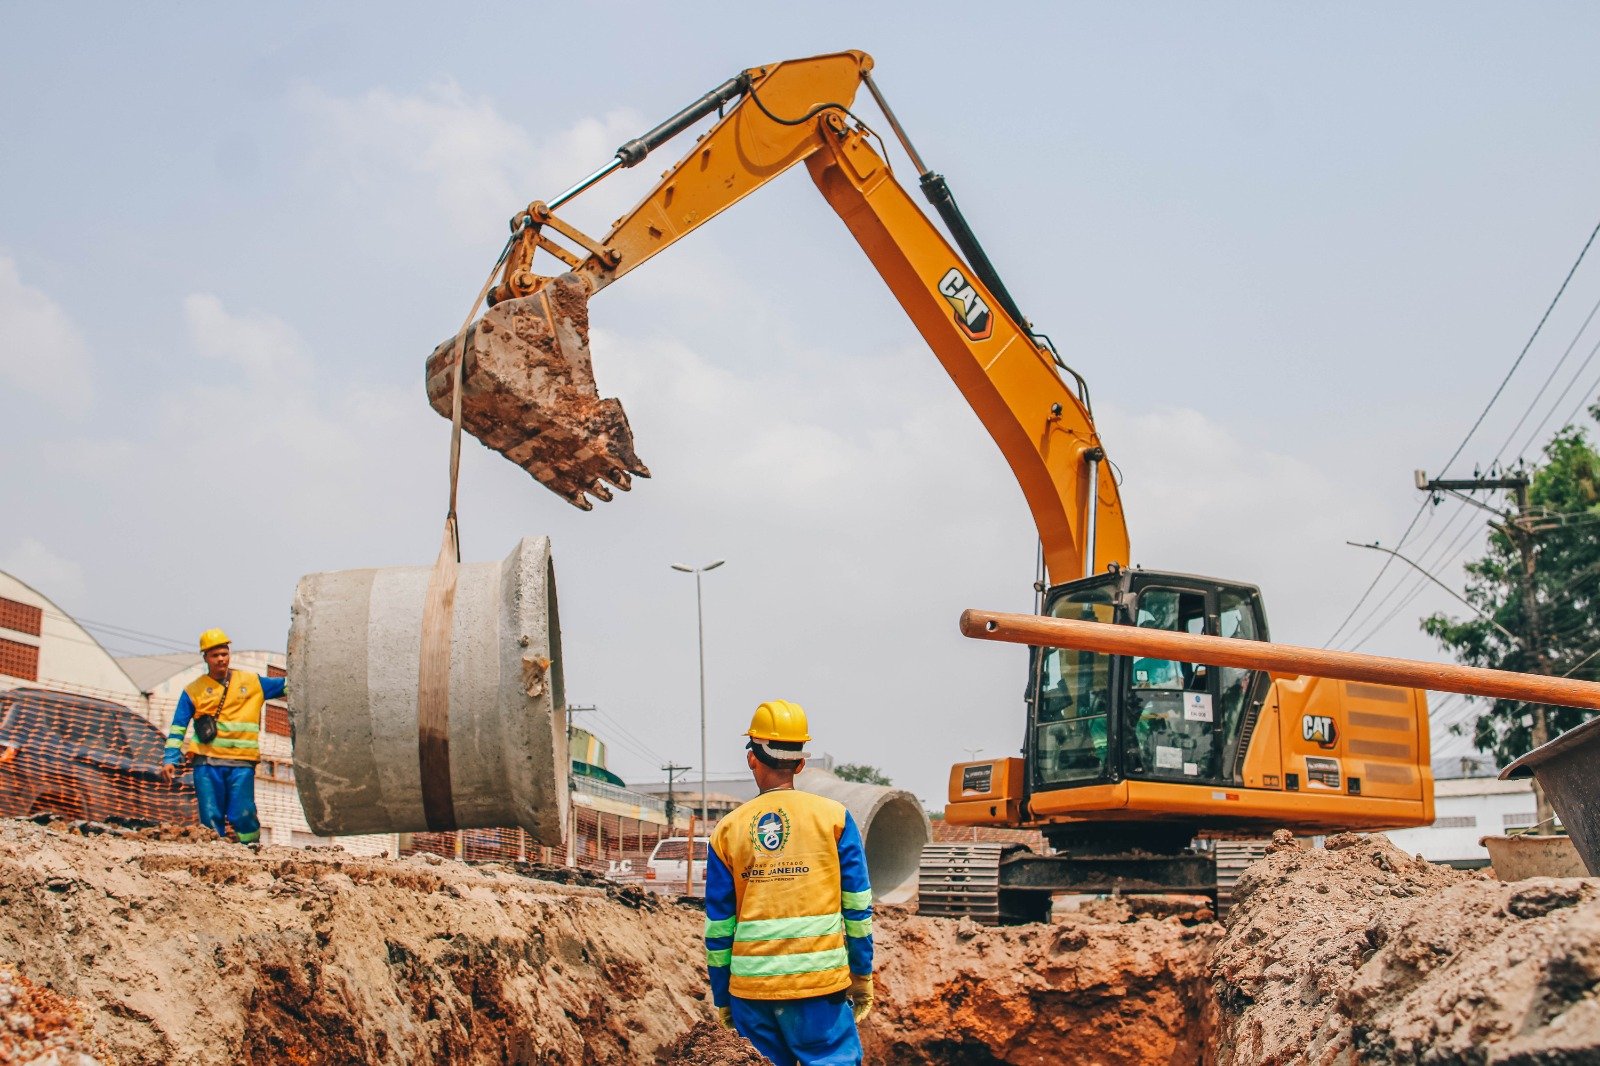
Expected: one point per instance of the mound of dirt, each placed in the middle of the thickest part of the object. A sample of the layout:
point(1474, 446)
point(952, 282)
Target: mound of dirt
point(709, 1044)
point(1361, 953)
point(207, 952)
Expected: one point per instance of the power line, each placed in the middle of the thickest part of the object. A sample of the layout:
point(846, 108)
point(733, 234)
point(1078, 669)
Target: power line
point(1384, 569)
point(1551, 377)
point(1520, 355)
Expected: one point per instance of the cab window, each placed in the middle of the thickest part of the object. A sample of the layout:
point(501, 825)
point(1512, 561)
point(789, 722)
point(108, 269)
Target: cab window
point(1169, 716)
point(1073, 698)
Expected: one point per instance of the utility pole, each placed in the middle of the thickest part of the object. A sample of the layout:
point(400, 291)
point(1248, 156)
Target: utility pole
point(1520, 529)
point(672, 770)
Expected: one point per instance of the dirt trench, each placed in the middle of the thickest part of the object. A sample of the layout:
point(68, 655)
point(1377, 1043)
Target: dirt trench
point(196, 951)
point(184, 950)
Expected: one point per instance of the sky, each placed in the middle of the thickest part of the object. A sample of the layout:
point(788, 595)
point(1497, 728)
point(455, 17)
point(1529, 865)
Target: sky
point(1295, 250)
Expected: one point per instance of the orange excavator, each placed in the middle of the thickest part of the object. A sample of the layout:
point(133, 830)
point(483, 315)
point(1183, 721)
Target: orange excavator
point(1126, 762)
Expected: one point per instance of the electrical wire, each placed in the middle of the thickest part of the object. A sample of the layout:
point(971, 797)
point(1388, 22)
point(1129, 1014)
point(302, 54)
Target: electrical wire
point(1388, 562)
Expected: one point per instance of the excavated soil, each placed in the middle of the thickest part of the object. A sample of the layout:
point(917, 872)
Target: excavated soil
point(128, 946)
point(528, 392)
point(43, 1028)
point(1085, 990)
point(208, 952)
point(1362, 954)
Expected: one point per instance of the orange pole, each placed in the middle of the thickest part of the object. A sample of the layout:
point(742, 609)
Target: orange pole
point(688, 877)
point(1281, 659)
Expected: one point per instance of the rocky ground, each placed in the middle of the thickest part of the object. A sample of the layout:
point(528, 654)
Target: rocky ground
point(1360, 953)
point(143, 947)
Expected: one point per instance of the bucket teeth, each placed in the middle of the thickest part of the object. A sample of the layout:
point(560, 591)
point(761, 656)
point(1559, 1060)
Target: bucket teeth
point(528, 392)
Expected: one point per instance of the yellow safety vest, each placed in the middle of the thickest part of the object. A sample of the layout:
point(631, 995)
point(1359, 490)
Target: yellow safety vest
point(238, 721)
point(782, 849)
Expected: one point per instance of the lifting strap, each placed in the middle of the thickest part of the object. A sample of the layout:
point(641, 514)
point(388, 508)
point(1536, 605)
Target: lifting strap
point(438, 610)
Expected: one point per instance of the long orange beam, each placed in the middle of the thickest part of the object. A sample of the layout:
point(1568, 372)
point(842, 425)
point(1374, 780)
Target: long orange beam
point(1282, 659)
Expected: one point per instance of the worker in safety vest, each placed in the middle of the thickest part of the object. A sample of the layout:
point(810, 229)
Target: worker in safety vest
point(224, 708)
point(789, 908)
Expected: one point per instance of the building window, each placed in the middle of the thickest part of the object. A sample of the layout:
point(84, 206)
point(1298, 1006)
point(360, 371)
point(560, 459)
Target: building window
point(278, 719)
point(1456, 821)
point(1518, 821)
point(21, 617)
point(19, 660)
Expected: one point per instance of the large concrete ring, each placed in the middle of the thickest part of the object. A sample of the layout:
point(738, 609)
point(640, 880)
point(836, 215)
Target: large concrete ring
point(354, 645)
point(893, 825)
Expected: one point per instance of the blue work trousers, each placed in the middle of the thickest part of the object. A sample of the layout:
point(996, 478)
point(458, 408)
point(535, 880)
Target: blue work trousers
point(819, 1031)
point(227, 796)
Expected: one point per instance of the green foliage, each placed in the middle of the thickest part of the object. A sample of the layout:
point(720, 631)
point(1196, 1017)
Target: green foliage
point(1564, 499)
point(861, 773)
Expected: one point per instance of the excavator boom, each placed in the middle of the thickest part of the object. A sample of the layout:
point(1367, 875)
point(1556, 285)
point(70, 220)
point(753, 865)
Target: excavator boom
point(529, 388)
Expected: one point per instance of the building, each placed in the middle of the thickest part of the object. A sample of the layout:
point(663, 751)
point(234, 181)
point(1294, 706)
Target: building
point(1466, 809)
point(42, 647)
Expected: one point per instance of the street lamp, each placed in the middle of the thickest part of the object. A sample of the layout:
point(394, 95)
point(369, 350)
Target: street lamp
point(700, 626)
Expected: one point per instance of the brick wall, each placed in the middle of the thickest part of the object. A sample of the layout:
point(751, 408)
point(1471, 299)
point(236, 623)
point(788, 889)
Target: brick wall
point(22, 617)
point(19, 660)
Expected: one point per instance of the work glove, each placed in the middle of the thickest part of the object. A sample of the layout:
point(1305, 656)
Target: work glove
point(860, 995)
point(725, 1016)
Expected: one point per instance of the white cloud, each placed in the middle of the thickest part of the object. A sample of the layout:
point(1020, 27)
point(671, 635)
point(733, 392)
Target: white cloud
point(475, 163)
point(262, 346)
point(59, 578)
point(41, 351)
point(1202, 499)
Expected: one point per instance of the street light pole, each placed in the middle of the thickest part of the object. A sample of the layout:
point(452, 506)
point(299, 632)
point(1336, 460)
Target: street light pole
point(700, 629)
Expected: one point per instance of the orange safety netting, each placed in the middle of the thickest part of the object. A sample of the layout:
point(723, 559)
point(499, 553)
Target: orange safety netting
point(608, 844)
point(81, 757)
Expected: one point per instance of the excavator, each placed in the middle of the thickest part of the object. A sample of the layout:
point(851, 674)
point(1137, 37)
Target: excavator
point(1129, 767)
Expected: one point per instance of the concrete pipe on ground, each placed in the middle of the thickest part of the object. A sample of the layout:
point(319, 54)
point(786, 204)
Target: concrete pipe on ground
point(354, 648)
point(893, 825)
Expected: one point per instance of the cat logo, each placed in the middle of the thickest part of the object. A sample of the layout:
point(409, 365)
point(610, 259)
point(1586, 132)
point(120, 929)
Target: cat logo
point(1318, 727)
point(971, 313)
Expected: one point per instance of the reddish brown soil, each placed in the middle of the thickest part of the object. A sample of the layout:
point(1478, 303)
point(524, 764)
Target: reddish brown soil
point(1363, 954)
point(40, 1026)
point(709, 1044)
point(206, 952)
point(1084, 990)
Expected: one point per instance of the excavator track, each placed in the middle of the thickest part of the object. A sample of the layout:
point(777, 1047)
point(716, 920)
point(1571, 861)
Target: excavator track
point(961, 881)
point(1233, 857)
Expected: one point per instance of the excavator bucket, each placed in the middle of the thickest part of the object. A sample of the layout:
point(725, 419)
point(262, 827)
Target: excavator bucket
point(528, 392)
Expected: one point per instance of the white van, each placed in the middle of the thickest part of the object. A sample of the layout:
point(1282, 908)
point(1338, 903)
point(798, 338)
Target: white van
point(667, 868)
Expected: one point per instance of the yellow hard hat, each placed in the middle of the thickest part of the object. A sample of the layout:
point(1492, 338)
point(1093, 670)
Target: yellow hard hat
point(214, 638)
point(779, 720)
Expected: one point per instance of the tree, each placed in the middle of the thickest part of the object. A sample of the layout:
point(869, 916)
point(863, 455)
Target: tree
point(861, 773)
point(1563, 526)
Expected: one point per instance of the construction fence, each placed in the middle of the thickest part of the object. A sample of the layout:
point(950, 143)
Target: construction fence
point(82, 756)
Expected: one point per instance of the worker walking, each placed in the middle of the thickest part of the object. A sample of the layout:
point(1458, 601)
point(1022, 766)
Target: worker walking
point(789, 908)
point(224, 707)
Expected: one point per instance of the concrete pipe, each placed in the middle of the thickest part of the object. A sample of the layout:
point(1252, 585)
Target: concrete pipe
point(893, 825)
point(354, 644)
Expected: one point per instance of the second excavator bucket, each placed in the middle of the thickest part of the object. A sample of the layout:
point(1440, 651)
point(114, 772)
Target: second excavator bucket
point(528, 392)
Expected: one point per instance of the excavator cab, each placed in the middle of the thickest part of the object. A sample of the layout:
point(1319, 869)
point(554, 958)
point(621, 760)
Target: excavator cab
point(1098, 719)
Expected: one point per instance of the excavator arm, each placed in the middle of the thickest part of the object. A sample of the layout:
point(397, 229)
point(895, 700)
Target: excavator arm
point(773, 118)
